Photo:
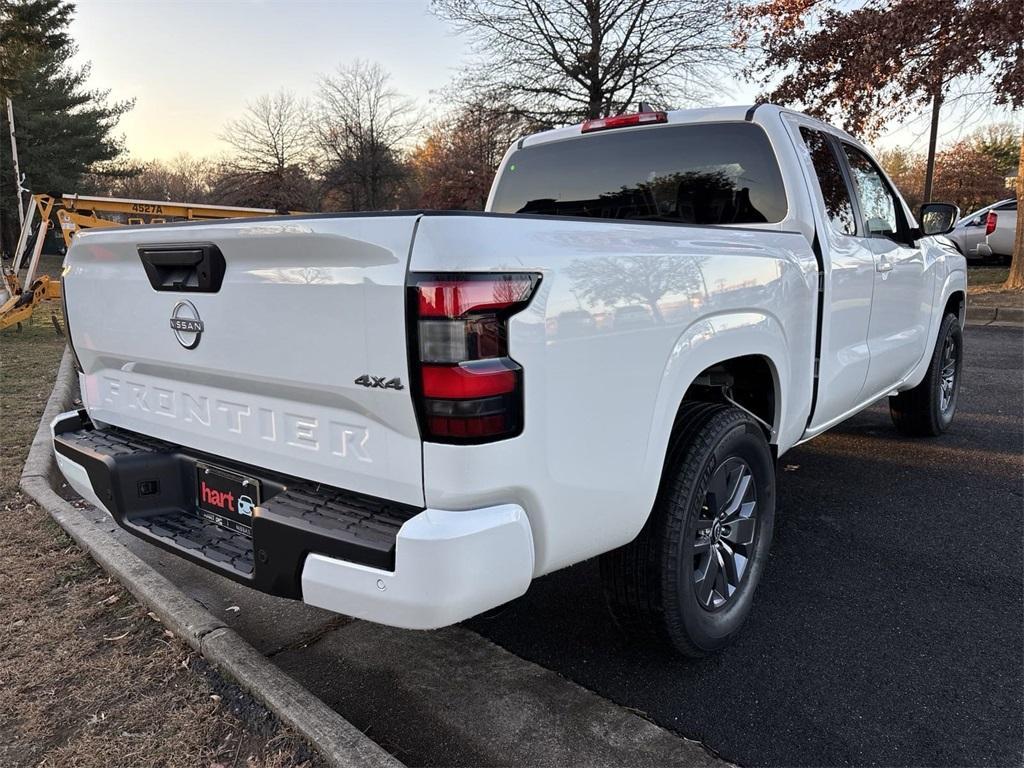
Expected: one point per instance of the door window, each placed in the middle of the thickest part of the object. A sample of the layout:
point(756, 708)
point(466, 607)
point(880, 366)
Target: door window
point(836, 194)
point(878, 203)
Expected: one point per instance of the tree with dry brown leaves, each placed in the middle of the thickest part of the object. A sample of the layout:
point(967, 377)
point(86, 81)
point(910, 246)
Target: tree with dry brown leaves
point(887, 59)
point(455, 163)
point(971, 172)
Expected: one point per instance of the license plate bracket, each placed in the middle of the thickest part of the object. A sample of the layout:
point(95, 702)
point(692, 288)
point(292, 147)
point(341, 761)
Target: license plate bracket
point(226, 498)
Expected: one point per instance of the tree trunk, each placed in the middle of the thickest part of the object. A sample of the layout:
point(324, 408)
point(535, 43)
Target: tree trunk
point(1015, 280)
point(933, 138)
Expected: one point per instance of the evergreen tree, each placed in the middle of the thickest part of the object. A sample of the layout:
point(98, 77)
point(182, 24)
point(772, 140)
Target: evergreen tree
point(64, 129)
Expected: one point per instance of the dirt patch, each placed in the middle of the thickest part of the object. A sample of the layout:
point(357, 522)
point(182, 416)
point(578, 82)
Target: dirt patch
point(87, 676)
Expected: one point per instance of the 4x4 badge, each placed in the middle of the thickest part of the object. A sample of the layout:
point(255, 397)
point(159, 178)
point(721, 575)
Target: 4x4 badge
point(379, 382)
point(186, 324)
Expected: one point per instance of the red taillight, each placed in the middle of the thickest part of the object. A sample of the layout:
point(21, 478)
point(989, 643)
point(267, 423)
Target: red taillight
point(624, 121)
point(443, 297)
point(468, 388)
point(483, 378)
point(990, 223)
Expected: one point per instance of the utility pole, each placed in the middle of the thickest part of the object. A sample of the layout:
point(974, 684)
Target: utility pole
point(14, 158)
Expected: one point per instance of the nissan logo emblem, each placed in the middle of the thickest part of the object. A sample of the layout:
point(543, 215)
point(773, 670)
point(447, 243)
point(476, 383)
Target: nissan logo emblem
point(186, 324)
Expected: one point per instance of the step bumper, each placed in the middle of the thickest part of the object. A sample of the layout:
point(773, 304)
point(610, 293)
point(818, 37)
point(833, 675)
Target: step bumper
point(347, 553)
point(449, 566)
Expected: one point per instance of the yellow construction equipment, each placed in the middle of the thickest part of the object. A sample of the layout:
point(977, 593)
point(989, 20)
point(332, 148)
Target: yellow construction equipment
point(18, 299)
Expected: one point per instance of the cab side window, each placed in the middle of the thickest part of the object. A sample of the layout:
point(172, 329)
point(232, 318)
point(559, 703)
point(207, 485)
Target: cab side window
point(836, 194)
point(878, 204)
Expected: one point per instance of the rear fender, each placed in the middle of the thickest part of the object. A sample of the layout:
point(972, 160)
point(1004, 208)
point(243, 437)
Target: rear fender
point(707, 342)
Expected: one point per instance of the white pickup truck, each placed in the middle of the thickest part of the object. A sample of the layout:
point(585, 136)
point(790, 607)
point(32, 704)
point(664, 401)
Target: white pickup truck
point(408, 416)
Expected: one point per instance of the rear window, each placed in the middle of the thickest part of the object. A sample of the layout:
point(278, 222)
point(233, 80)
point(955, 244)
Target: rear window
point(715, 173)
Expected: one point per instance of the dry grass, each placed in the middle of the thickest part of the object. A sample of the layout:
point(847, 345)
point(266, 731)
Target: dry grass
point(987, 278)
point(87, 676)
point(985, 288)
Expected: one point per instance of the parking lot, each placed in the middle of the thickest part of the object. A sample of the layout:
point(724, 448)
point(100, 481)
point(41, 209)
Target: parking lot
point(887, 630)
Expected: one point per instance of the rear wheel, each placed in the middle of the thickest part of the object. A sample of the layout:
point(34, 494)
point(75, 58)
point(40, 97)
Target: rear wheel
point(928, 409)
point(690, 575)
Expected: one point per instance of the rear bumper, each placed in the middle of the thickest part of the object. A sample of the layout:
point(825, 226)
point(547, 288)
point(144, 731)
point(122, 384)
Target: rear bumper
point(348, 553)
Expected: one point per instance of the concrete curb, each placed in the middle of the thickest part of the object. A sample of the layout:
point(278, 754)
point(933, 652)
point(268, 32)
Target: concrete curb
point(340, 743)
point(1003, 316)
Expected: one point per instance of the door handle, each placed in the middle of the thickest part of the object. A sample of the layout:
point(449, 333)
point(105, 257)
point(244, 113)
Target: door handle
point(194, 267)
point(883, 265)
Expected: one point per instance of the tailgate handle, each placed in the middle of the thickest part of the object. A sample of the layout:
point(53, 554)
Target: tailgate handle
point(187, 267)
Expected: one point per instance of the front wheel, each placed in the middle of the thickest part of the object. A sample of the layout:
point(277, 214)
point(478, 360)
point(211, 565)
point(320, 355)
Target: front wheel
point(690, 575)
point(928, 409)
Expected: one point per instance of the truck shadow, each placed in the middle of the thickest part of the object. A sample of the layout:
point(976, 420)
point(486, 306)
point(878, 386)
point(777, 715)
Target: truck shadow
point(886, 629)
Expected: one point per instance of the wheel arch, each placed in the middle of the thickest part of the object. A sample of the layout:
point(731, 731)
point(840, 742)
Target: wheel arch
point(956, 304)
point(953, 298)
point(743, 358)
point(748, 381)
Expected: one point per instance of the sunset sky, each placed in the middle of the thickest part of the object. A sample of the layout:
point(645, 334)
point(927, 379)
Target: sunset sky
point(192, 66)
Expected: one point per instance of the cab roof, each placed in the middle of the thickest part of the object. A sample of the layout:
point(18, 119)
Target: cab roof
point(759, 113)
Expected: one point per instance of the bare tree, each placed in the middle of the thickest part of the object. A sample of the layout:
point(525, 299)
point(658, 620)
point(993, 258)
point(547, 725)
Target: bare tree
point(272, 146)
point(361, 128)
point(560, 61)
point(645, 277)
point(183, 179)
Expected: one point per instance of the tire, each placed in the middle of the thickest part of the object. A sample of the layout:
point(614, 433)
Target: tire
point(927, 410)
point(653, 585)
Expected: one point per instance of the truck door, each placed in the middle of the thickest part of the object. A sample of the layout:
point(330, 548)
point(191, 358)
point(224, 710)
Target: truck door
point(850, 268)
point(903, 283)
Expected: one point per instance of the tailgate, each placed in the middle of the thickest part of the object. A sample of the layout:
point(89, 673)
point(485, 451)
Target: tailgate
point(263, 369)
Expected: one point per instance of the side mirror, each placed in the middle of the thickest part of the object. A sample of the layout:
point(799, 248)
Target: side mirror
point(938, 218)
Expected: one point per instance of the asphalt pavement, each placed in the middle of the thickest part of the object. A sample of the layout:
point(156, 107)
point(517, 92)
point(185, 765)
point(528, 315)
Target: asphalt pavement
point(888, 627)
